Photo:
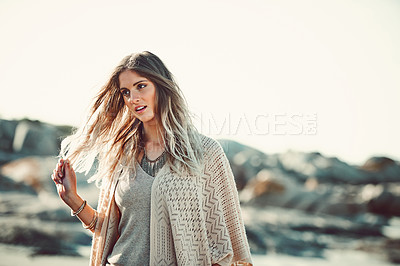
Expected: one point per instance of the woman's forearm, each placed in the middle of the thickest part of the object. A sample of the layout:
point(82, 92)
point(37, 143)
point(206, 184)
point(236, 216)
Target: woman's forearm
point(87, 215)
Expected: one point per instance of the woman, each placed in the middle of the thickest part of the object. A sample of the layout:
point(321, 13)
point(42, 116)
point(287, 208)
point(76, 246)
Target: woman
point(167, 193)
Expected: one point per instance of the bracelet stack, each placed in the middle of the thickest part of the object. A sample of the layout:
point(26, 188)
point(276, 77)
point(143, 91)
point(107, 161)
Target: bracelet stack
point(79, 210)
point(92, 224)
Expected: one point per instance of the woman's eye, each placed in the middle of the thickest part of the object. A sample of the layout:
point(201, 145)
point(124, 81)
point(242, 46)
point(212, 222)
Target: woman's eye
point(141, 86)
point(125, 93)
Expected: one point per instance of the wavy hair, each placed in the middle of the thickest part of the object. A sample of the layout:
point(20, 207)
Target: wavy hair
point(112, 135)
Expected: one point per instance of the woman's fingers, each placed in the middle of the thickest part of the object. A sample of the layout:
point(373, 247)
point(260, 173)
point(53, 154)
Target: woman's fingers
point(68, 169)
point(55, 177)
point(60, 168)
point(63, 170)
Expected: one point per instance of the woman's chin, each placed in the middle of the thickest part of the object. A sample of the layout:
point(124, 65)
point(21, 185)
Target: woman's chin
point(147, 120)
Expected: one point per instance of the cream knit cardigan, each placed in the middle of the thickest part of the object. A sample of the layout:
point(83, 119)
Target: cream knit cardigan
point(195, 220)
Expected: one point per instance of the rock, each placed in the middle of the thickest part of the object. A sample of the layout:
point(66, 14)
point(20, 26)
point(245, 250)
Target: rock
point(386, 202)
point(383, 169)
point(17, 203)
point(256, 240)
point(264, 183)
point(36, 138)
point(35, 207)
point(43, 223)
point(350, 230)
point(34, 172)
point(7, 130)
point(269, 188)
point(44, 243)
point(392, 250)
point(313, 182)
point(376, 164)
point(275, 188)
point(388, 248)
point(60, 214)
point(7, 184)
point(6, 157)
point(293, 232)
point(323, 169)
point(28, 137)
point(245, 161)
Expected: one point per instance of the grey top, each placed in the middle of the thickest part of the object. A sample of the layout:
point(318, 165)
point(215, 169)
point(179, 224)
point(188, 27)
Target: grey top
point(133, 198)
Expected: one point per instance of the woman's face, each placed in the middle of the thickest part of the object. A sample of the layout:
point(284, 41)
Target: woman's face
point(139, 95)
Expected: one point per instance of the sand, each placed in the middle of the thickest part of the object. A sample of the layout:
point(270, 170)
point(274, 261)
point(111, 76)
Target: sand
point(16, 255)
point(20, 256)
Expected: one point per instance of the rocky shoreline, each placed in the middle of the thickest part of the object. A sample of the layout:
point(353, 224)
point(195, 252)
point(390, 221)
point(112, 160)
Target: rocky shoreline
point(295, 204)
point(303, 204)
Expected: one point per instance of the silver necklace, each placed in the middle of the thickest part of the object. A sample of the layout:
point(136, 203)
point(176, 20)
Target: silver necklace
point(151, 167)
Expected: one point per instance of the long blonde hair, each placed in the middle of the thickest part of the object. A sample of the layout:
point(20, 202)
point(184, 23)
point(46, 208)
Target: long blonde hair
point(112, 135)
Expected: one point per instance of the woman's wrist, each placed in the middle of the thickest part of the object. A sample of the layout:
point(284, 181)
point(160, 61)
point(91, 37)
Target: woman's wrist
point(74, 202)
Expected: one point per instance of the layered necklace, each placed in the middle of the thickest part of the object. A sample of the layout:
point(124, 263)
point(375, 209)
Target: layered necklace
point(151, 167)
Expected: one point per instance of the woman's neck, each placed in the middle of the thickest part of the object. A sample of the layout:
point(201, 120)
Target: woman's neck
point(153, 141)
point(152, 135)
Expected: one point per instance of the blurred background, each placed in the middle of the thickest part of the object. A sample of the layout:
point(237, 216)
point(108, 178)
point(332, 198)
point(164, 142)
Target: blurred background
point(304, 96)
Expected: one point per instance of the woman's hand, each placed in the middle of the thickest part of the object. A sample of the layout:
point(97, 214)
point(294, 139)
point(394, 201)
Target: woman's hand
point(65, 179)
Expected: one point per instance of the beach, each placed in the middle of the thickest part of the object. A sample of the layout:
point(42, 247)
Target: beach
point(17, 255)
point(299, 208)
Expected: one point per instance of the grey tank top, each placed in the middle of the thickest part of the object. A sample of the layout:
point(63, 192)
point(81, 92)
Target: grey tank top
point(133, 198)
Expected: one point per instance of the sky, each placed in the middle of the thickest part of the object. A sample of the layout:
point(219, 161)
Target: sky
point(276, 75)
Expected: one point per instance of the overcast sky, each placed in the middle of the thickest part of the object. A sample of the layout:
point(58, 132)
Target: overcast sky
point(276, 75)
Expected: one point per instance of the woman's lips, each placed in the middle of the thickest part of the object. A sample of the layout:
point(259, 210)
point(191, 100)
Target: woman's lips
point(140, 109)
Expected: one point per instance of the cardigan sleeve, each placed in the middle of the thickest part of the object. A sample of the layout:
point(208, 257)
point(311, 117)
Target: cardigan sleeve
point(225, 228)
point(106, 230)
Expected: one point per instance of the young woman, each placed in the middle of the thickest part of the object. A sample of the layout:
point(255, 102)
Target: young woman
point(167, 193)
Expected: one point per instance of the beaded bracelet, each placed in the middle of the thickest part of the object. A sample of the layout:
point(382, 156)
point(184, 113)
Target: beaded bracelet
point(92, 223)
point(79, 210)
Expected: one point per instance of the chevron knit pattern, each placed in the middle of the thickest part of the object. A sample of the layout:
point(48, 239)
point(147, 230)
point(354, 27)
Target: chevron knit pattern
point(195, 220)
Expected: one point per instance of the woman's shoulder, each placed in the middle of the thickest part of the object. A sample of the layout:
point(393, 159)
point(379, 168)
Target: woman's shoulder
point(208, 142)
point(211, 147)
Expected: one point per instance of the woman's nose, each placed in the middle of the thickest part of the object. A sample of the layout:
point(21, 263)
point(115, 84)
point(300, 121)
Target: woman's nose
point(134, 98)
